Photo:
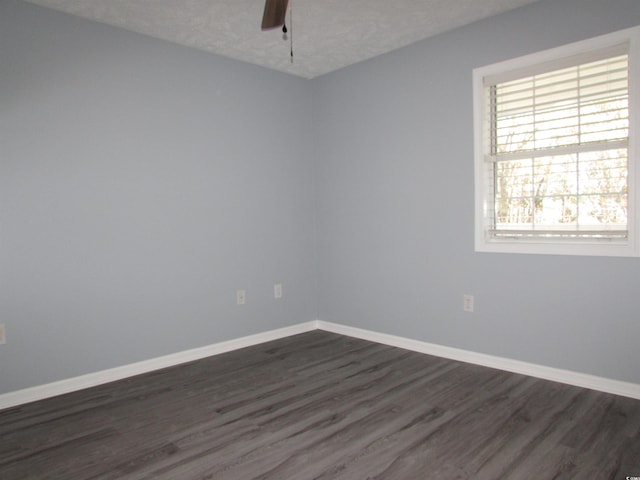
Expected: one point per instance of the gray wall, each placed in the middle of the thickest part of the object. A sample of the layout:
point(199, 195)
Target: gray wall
point(141, 184)
point(395, 207)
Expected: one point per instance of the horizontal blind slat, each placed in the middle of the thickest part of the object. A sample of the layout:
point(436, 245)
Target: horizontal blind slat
point(541, 234)
point(557, 151)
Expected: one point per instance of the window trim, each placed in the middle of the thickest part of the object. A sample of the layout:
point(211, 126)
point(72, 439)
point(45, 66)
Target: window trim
point(522, 66)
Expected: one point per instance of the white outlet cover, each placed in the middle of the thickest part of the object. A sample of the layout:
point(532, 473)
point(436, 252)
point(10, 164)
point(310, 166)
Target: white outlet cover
point(241, 297)
point(3, 335)
point(468, 303)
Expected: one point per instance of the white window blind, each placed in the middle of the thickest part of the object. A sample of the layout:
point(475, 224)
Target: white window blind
point(558, 151)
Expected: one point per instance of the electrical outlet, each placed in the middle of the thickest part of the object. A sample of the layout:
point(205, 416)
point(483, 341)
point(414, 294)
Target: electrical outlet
point(277, 290)
point(468, 303)
point(241, 297)
point(3, 335)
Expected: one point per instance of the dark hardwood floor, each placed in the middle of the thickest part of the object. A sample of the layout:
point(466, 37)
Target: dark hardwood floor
point(324, 406)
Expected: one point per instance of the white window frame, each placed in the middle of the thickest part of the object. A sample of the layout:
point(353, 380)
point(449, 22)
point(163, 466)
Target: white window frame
point(484, 242)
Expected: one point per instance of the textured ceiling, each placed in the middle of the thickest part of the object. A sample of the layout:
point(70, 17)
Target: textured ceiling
point(327, 34)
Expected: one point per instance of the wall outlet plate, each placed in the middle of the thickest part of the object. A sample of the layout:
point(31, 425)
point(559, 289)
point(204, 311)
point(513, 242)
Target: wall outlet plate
point(468, 303)
point(241, 297)
point(3, 334)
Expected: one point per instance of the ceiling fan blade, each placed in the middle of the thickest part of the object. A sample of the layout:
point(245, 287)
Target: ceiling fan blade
point(274, 13)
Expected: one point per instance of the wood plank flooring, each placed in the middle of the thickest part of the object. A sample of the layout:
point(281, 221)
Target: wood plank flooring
point(324, 406)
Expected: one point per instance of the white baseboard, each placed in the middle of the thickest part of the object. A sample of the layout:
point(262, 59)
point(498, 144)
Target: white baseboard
point(548, 373)
point(48, 390)
point(53, 389)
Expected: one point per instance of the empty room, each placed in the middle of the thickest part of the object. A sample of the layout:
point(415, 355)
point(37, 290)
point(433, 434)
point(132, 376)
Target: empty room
point(319, 240)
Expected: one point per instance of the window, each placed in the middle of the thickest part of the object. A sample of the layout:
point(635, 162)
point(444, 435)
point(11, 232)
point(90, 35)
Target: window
point(556, 150)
